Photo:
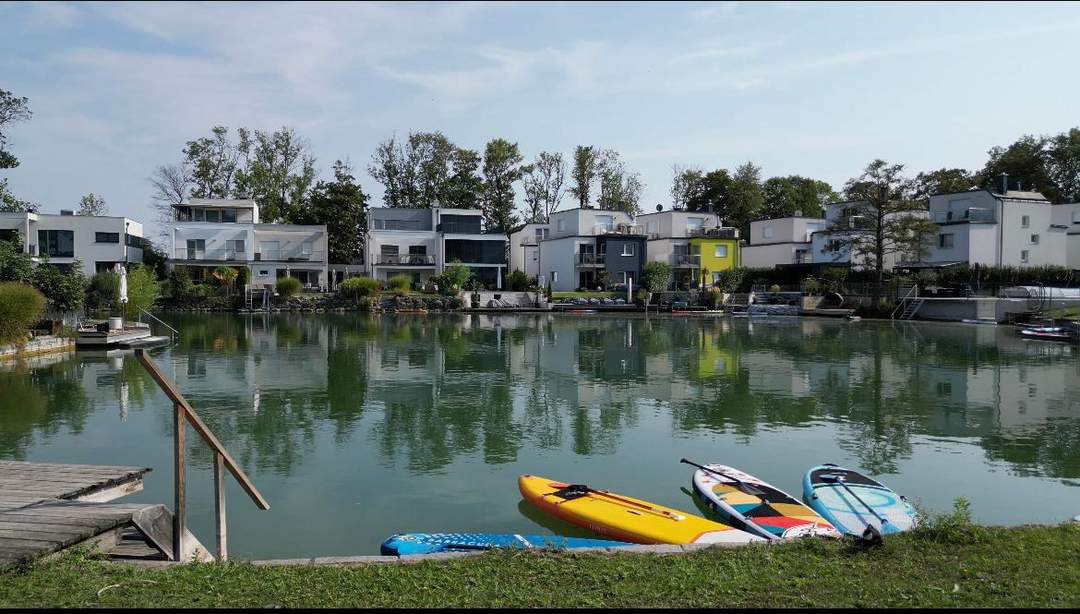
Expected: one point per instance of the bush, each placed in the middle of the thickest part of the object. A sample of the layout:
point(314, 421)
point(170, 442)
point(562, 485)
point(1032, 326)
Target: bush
point(287, 286)
point(142, 290)
point(20, 307)
point(14, 264)
point(226, 277)
point(358, 287)
point(455, 276)
point(399, 284)
point(180, 286)
point(518, 281)
point(656, 276)
point(65, 288)
point(103, 291)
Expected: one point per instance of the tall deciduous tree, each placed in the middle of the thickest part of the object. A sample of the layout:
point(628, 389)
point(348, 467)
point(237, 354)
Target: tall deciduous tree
point(747, 198)
point(791, 195)
point(1025, 163)
point(424, 170)
point(941, 181)
point(543, 181)
point(464, 187)
point(711, 194)
point(620, 189)
point(341, 204)
point(1063, 165)
point(214, 161)
point(895, 222)
point(12, 109)
point(584, 173)
point(685, 183)
point(171, 186)
point(92, 204)
point(502, 167)
point(279, 173)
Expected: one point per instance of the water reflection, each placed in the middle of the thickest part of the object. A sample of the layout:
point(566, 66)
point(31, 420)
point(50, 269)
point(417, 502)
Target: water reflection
point(425, 392)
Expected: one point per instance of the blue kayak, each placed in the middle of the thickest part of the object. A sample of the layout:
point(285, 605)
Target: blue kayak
point(853, 502)
point(404, 544)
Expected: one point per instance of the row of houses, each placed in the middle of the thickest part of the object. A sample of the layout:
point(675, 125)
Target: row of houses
point(577, 249)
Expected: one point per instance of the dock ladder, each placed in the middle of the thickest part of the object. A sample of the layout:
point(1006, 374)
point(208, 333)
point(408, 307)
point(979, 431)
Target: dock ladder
point(908, 305)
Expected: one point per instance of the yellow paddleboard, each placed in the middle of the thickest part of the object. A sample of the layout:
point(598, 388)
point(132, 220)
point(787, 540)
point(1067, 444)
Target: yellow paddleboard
point(624, 518)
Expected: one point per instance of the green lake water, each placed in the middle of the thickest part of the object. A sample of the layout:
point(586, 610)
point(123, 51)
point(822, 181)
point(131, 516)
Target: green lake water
point(355, 427)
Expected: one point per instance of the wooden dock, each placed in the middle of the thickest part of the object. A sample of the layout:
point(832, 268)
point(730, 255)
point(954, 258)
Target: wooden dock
point(47, 507)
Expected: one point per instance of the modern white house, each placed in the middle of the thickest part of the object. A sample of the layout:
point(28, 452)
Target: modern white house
point(525, 248)
point(1067, 217)
point(987, 228)
point(781, 241)
point(585, 246)
point(419, 243)
point(208, 233)
point(688, 241)
point(98, 242)
point(843, 221)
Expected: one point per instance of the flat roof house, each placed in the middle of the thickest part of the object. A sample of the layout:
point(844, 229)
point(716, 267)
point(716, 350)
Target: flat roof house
point(419, 243)
point(781, 241)
point(585, 246)
point(212, 232)
point(696, 245)
point(1067, 218)
point(99, 242)
point(844, 221)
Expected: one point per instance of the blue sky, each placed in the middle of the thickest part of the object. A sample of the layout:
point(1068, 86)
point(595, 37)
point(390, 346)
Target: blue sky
point(798, 88)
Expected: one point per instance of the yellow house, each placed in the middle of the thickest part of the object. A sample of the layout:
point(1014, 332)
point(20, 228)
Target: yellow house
point(714, 255)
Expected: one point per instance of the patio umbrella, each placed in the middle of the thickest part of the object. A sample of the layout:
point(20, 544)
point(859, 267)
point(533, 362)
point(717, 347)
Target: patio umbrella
point(123, 284)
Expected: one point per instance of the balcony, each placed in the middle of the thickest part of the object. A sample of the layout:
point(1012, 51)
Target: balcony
point(404, 260)
point(619, 229)
point(968, 215)
point(683, 261)
point(855, 222)
point(714, 233)
point(586, 259)
point(184, 253)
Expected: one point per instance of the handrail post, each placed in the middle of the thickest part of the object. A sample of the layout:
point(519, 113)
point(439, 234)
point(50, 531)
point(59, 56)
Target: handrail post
point(219, 505)
point(179, 503)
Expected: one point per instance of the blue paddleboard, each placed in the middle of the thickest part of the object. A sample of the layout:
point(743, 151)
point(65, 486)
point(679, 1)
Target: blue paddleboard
point(852, 502)
point(404, 544)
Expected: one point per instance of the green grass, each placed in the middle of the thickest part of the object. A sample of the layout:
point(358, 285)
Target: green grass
point(952, 564)
point(565, 295)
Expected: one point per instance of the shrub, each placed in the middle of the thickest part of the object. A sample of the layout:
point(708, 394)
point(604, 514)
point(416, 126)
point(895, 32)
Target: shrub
point(358, 287)
point(518, 281)
point(655, 277)
point(226, 277)
point(287, 286)
point(142, 290)
point(103, 291)
point(399, 284)
point(730, 280)
point(14, 264)
point(713, 297)
point(456, 276)
point(180, 286)
point(20, 307)
point(65, 288)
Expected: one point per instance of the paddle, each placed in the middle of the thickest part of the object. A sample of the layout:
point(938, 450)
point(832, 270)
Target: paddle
point(575, 491)
point(871, 533)
point(746, 487)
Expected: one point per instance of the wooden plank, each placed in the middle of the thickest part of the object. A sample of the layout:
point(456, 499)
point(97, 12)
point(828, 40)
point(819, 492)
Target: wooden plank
point(101, 495)
point(43, 536)
point(197, 423)
point(72, 466)
point(32, 543)
point(180, 505)
point(219, 506)
point(8, 525)
point(156, 523)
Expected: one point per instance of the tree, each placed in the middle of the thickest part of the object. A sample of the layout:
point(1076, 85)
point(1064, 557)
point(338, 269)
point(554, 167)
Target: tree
point(226, 277)
point(424, 171)
point(92, 204)
point(620, 190)
point(214, 161)
point(155, 260)
point(15, 264)
point(10, 204)
point(655, 277)
point(341, 205)
point(584, 173)
point(171, 184)
point(1063, 165)
point(747, 198)
point(685, 182)
point(794, 195)
point(1025, 163)
point(464, 187)
point(64, 287)
point(12, 109)
point(142, 290)
point(279, 174)
point(881, 195)
point(543, 181)
point(711, 194)
point(942, 181)
point(502, 167)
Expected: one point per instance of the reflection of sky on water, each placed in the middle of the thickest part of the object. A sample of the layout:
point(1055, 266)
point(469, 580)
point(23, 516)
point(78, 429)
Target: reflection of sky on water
point(378, 425)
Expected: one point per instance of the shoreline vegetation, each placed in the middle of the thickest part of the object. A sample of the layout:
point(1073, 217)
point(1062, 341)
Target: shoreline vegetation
point(951, 563)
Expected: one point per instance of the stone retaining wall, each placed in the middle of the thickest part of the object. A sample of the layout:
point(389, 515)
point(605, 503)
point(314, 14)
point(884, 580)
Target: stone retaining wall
point(39, 345)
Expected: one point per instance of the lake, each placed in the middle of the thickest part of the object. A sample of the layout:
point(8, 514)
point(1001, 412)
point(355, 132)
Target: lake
point(355, 426)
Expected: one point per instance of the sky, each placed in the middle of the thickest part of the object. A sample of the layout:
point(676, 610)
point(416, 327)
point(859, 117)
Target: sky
point(815, 89)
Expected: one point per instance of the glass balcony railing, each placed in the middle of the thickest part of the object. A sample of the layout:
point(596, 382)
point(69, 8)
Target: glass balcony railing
point(685, 260)
point(968, 215)
point(405, 259)
point(586, 259)
point(184, 253)
point(715, 233)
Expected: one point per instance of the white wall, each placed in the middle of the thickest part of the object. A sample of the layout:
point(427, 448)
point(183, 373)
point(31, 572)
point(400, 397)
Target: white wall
point(84, 228)
point(756, 256)
point(560, 255)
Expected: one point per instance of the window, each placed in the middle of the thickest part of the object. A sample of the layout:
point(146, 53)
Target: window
point(106, 237)
point(264, 272)
point(561, 225)
point(1024, 256)
point(945, 241)
point(195, 248)
point(1034, 239)
point(767, 232)
point(305, 249)
point(605, 222)
point(57, 243)
point(628, 249)
point(720, 251)
point(388, 254)
point(541, 234)
point(104, 267)
point(535, 252)
point(228, 215)
point(622, 277)
point(1025, 221)
point(213, 215)
point(233, 249)
point(135, 241)
point(944, 389)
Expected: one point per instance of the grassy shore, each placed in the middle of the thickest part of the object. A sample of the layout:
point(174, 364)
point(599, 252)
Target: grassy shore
point(946, 566)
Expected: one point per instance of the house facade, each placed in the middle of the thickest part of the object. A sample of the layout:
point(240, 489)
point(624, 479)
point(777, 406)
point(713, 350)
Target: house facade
point(525, 248)
point(1067, 218)
point(419, 243)
point(695, 244)
point(97, 242)
point(987, 228)
point(781, 241)
point(844, 222)
point(208, 233)
point(586, 247)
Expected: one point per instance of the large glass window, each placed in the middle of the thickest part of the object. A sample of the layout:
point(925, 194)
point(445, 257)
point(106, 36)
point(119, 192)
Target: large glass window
point(213, 215)
point(945, 241)
point(106, 237)
point(628, 249)
point(228, 215)
point(56, 243)
point(461, 224)
point(478, 252)
point(605, 222)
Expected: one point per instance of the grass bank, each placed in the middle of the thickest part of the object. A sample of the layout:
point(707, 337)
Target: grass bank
point(951, 566)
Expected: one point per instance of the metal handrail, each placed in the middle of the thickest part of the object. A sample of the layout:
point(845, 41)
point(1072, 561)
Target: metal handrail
point(912, 294)
point(158, 320)
point(182, 413)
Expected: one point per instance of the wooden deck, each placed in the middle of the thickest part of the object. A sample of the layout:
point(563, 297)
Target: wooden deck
point(46, 507)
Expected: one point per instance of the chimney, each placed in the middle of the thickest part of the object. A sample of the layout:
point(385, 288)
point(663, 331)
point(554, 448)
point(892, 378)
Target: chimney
point(1004, 183)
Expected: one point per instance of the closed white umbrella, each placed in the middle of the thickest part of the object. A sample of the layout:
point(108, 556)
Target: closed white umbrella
point(123, 284)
